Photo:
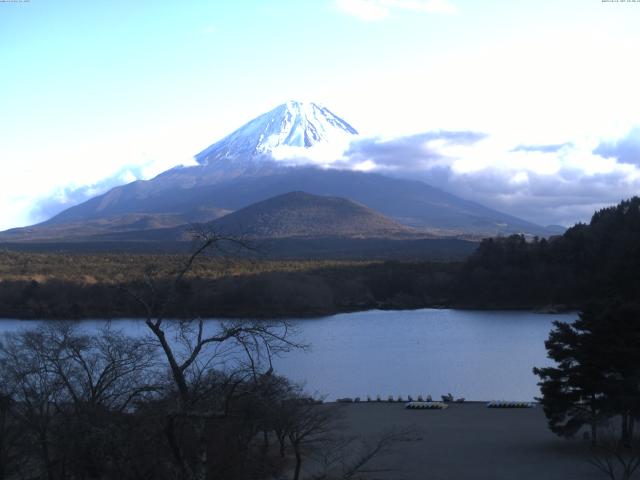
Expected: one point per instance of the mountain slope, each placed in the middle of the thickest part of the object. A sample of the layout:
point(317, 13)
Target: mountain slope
point(247, 152)
point(240, 170)
point(293, 124)
point(292, 129)
point(293, 215)
point(133, 222)
point(299, 214)
point(412, 203)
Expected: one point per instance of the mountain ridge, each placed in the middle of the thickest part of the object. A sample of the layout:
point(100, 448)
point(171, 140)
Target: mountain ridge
point(240, 170)
point(292, 215)
point(301, 214)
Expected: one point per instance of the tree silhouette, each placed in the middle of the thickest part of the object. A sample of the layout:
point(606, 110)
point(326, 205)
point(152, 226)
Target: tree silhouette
point(597, 376)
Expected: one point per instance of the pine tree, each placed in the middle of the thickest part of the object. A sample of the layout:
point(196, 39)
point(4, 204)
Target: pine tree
point(597, 375)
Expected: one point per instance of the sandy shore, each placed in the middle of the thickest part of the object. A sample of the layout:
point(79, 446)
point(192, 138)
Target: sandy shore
point(470, 441)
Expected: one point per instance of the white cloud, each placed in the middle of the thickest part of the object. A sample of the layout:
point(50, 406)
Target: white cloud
point(374, 10)
point(366, 166)
point(34, 193)
point(545, 183)
point(72, 194)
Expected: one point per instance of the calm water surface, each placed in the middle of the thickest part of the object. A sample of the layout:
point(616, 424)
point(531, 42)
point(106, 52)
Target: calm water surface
point(480, 355)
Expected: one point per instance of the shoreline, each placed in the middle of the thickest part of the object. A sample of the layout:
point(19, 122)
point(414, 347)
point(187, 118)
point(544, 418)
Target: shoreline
point(545, 310)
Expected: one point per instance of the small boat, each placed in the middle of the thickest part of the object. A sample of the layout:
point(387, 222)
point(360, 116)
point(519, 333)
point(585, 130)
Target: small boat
point(509, 404)
point(426, 405)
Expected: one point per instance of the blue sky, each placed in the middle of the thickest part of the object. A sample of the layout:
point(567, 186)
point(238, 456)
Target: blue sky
point(97, 93)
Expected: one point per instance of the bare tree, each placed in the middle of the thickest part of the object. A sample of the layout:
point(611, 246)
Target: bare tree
point(191, 348)
point(309, 427)
point(68, 389)
point(34, 390)
point(314, 432)
point(349, 458)
point(102, 375)
point(616, 458)
point(106, 370)
point(10, 437)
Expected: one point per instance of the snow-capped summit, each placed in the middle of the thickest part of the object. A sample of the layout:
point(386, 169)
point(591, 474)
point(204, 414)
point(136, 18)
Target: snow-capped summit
point(290, 128)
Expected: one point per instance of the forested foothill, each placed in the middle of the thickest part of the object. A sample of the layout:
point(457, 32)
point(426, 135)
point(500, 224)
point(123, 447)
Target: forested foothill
point(599, 260)
point(590, 261)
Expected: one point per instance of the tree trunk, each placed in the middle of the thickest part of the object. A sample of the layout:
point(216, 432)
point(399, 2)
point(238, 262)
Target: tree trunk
point(176, 371)
point(45, 455)
point(594, 422)
point(2, 432)
point(200, 429)
point(296, 450)
point(4, 407)
point(626, 441)
point(172, 440)
point(282, 442)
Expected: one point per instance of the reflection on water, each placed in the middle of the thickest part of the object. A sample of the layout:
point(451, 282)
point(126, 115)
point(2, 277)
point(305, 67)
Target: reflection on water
point(480, 355)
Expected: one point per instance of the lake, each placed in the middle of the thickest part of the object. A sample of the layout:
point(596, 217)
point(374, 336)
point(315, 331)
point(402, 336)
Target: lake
point(479, 355)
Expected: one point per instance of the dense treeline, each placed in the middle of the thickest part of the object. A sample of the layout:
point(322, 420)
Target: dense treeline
point(277, 249)
point(594, 385)
point(292, 292)
point(114, 268)
point(600, 260)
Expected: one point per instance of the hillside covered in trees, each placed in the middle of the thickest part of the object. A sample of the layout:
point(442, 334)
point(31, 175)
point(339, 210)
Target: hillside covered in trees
point(590, 261)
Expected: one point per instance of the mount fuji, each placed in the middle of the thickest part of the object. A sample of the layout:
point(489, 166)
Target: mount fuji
point(293, 130)
point(294, 125)
point(251, 165)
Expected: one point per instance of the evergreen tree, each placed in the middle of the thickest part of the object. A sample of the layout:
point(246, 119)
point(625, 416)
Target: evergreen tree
point(572, 394)
point(598, 370)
